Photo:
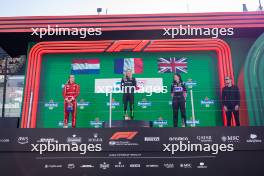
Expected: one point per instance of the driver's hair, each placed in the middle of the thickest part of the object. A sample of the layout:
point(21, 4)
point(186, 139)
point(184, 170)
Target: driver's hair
point(68, 81)
point(128, 70)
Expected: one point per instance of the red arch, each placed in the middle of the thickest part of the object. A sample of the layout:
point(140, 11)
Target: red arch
point(30, 102)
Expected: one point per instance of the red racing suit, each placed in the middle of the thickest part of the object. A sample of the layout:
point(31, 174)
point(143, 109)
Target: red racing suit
point(70, 93)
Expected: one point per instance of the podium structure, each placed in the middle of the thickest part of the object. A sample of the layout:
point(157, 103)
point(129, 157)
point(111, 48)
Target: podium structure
point(123, 123)
point(9, 122)
point(127, 124)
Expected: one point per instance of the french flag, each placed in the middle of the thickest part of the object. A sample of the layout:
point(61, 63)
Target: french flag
point(85, 66)
point(134, 64)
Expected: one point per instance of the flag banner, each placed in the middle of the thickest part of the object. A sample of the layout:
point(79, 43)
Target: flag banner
point(85, 66)
point(172, 65)
point(134, 64)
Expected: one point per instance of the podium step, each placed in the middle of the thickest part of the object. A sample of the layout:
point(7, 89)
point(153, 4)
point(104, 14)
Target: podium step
point(128, 123)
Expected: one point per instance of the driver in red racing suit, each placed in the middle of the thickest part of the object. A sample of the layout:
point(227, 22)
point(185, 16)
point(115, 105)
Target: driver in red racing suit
point(71, 91)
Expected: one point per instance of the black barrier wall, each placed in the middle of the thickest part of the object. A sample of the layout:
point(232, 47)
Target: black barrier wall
point(117, 151)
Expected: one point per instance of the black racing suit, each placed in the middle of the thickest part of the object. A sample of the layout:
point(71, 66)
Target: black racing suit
point(230, 99)
point(128, 87)
point(178, 101)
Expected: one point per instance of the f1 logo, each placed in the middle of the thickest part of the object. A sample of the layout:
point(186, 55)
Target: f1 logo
point(124, 135)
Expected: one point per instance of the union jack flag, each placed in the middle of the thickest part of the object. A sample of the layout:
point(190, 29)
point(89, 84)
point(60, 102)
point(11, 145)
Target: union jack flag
point(172, 65)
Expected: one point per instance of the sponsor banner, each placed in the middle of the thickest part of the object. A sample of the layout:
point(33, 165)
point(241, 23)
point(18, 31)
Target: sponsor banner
point(83, 104)
point(96, 124)
point(120, 163)
point(61, 124)
point(144, 103)
point(191, 83)
point(145, 139)
point(192, 122)
point(207, 102)
point(51, 105)
point(114, 103)
point(160, 123)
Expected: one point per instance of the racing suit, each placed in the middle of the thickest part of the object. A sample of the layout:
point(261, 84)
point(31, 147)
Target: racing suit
point(178, 101)
point(70, 93)
point(128, 86)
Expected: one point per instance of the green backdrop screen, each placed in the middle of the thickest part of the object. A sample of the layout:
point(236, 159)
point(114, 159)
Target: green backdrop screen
point(56, 68)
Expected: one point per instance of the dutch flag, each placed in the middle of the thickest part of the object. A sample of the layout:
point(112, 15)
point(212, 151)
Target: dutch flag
point(85, 66)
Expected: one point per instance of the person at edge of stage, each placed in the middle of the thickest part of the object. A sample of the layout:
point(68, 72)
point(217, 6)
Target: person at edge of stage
point(231, 101)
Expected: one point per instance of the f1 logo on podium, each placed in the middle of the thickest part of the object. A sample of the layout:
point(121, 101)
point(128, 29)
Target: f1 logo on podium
point(124, 135)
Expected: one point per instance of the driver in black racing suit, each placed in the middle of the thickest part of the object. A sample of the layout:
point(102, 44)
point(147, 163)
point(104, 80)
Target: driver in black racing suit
point(178, 94)
point(128, 86)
